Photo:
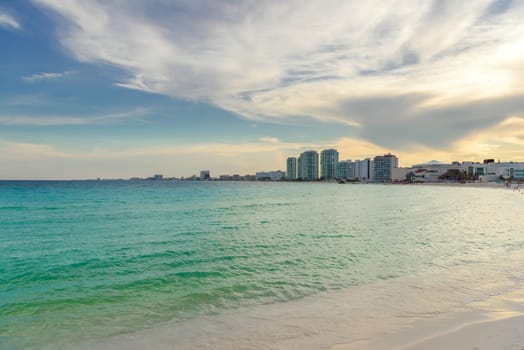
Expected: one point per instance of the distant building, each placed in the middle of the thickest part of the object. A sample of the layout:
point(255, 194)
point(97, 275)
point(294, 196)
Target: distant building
point(204, 175)
point(249, 177)
point(291, 168)
point(400, 174)
point(363, 170)
point(382, 167)
point(328, 164)
point(346, 170)
point(434, 171)
point(486, 171)
point(237, 177)
point(277, 175)
point(158, 177)
point(509, 170)
point(308, 166)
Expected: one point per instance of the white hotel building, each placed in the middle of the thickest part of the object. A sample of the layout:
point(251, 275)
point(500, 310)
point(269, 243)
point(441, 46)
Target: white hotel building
point(486, 171)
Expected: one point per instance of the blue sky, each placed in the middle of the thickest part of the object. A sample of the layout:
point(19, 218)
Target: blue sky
point(132, 88)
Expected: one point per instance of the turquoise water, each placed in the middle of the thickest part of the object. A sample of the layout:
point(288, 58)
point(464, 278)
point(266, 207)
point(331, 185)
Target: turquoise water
point(93, 260)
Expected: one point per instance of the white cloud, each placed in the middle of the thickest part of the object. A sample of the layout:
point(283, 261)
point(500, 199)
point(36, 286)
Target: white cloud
point(269, 139)
point(271, 60)
point(8, 21)
point(45, 76)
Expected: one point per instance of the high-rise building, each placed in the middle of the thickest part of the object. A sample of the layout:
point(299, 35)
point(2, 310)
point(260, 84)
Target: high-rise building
point(382, 166)
point(364, 169)
point(291, 169)
point(328, 164)
point(308, 166)
point(346, 169)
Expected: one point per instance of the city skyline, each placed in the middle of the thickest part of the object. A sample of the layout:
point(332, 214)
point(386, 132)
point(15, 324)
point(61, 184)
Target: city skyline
point(119, 89)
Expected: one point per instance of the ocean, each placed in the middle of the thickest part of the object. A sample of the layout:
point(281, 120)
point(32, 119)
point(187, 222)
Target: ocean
point(247, 265)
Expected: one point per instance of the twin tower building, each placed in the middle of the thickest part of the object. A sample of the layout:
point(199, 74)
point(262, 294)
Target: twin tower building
point(306, 167)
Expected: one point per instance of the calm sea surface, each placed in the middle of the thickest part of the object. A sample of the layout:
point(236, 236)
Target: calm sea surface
point(84, 263)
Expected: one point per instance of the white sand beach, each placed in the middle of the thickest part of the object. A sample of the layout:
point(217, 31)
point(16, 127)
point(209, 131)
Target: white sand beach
point(493, 324)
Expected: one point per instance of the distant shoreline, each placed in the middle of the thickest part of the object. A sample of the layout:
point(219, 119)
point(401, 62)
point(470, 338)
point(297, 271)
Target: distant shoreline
point(458, 184)
point(447, 184)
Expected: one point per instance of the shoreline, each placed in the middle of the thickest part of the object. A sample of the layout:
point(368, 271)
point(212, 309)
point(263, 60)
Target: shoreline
point(330, 321)
point(463, 185)
point(494, 323)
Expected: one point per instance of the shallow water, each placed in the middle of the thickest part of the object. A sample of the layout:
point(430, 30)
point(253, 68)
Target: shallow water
point(207, 264)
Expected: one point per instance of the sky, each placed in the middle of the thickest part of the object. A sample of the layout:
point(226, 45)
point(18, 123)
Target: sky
point(123, 88)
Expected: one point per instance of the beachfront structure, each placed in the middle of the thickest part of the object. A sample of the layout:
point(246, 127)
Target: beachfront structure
point(486, 171)
point(383, 166)
point(360, 170)
point(433, 171)
point(400, 174)
point(511, 171)
point(505, 170)
point(205, 175)
point(276, 175)
point(364, 170)
point(291, 168)
point(346, 170)
point(308, 166)
point(234, 177)
point(491, 171)
point(328, 164)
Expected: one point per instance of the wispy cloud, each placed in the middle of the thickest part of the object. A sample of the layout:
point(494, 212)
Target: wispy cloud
point(8, 21)
point(45, 76)
point(26, 100)
point(378, 65)
point(219, 149)
point(47, 120)
point(21, 120)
